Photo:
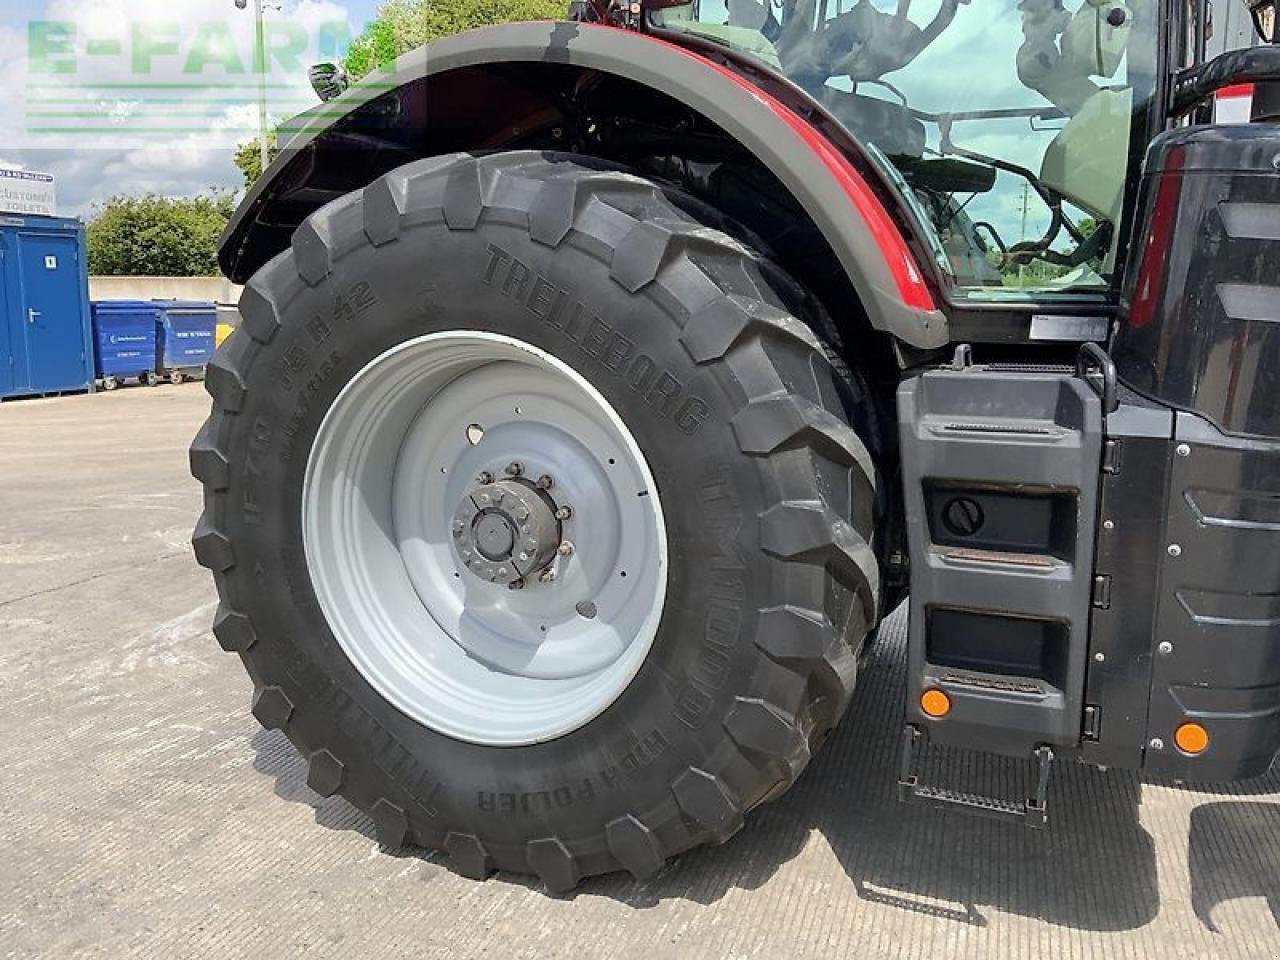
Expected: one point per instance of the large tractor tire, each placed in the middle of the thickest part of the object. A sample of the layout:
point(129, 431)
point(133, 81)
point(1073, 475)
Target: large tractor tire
point(536, 515)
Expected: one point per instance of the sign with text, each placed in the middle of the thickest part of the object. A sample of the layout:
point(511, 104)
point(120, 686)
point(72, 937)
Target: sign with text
point(26, 191)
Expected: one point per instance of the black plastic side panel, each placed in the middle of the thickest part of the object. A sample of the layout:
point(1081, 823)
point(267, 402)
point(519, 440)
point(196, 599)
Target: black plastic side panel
point(1219, 606)
point(1194, 553)
point(1127, 576)
point(1211, 342)
point(1000, 621)
point(1188, 625)
point(1038, 640)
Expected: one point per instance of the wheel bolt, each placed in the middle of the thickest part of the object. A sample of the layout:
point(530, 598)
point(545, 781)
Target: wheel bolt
point(546, 576)
point(565, 548)
point(564, 513)
point(545, 481)
point(515, 468)
point(485, 477)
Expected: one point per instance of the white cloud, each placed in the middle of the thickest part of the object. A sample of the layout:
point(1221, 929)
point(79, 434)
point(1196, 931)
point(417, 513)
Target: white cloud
point(152, 95)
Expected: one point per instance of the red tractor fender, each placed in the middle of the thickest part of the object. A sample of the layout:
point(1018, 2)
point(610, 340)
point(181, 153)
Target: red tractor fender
point(861, 231)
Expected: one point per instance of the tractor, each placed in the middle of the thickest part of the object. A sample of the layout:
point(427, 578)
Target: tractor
point(602, 384)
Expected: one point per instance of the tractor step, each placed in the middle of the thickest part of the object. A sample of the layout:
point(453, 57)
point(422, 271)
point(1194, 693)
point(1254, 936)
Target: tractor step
point(1001, 469)
point(1031, 812)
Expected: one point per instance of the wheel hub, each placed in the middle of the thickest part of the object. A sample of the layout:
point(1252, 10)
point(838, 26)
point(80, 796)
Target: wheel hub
point(445, 527)
point(506, 531)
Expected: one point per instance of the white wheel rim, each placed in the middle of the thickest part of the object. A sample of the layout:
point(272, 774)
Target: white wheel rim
point(397, 461)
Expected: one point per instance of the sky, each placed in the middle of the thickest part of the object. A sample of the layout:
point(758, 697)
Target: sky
point(136, 96)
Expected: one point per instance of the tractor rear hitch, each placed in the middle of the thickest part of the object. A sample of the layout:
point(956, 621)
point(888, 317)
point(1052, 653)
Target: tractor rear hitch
point(1032, 812)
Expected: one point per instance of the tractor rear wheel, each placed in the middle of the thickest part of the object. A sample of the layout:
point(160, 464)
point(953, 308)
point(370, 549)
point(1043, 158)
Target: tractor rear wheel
point(536, 515)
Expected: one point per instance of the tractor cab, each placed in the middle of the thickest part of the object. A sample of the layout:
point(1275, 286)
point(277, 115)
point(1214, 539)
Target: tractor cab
point(1010, 128)
point(1089, 543)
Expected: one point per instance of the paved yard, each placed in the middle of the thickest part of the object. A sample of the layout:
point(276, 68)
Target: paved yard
point(145, 813)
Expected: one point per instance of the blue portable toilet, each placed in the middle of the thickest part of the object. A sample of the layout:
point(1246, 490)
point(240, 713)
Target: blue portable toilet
point(187, 337)
point(124, 340)
point(45, 344)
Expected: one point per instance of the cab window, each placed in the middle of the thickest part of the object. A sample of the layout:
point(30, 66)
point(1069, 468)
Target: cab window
point(1006, 124)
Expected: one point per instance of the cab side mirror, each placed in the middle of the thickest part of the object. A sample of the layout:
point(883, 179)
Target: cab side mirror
point(1264, 18)
point(328, 80)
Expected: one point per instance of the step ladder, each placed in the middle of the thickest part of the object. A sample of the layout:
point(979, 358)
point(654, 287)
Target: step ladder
point(1001, 466)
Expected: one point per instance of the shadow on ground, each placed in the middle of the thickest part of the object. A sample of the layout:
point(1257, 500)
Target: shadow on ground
point(1234, 851)
point(1093, 868)
point(275, 756)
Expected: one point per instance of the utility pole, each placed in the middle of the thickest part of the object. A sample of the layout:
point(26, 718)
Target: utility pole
point(261, 62)
point(260, 67)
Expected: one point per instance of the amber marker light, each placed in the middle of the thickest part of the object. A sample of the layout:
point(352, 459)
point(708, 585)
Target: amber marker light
point(935, 703)
point(1191, 738)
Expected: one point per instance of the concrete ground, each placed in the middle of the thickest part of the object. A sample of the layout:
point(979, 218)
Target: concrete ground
point(143, 812)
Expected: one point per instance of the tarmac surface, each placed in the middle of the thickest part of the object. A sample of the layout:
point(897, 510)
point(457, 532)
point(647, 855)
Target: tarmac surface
point(144, 813)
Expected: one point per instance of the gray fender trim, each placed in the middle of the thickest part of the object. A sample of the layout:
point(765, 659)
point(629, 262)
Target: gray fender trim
point(752, 120)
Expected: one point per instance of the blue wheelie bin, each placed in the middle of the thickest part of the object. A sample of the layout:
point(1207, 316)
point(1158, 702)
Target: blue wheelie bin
point(124, 341)
point(187, 337)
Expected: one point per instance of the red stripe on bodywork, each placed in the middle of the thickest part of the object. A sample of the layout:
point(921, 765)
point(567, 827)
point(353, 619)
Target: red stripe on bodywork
point(1235, 90)
point(1155, 251)
point(902, 263)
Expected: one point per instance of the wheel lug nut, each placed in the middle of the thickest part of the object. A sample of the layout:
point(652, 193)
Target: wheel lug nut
point(485, 477)
point(545, 481)
point(565, 548)
point(516, 585)
point(546, 576)
point(564, 513)
point(515, 468)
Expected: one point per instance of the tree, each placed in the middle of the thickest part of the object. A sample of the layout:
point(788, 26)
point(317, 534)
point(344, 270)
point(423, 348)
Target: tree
point(158, 236)
point(404, 25)
point(248, 157)
point(376, 46)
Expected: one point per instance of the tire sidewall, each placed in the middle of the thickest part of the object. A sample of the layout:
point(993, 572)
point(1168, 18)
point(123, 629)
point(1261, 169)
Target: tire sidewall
point(495, 278)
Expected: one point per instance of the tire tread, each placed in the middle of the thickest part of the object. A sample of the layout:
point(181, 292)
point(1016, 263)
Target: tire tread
point(746, 320)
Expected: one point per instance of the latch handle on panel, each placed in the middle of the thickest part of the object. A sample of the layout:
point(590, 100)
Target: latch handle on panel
point(1094, 365)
